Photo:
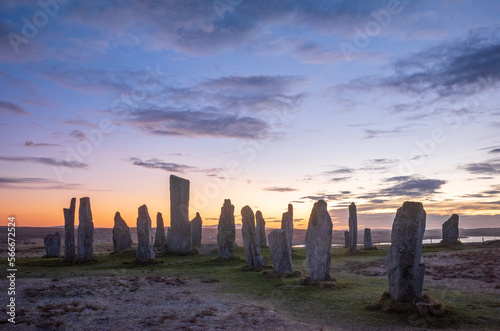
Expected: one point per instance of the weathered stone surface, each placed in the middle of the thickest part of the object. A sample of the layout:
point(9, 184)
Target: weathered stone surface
point(144, 253)
point(52, 243)
point(226, 231)
point(196, 226)
point(405, 272)
point(287, 225)
point(260, 229)
point(450, 230)
point(160, 239)
point(69, 231)
point(346, 239)
point(121, 234)
point(368, 238)
point(280, 251)
point(319, 242)
point(353, 228)
point(252, 248)
point(85, 251)
point(179, 235)
point(290, 210)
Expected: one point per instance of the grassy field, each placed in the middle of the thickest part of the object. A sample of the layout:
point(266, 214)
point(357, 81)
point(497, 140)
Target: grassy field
point(463, 309)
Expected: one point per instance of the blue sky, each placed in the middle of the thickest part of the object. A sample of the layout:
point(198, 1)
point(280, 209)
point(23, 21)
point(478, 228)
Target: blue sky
point(263, 102)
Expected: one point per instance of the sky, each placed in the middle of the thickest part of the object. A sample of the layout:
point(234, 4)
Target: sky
point(262, 102)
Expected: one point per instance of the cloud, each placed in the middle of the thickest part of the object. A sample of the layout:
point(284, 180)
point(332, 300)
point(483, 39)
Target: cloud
point(396, 132)
point(494, 151)
point(36, 145)
point(158, 164)
point(78, 134)
point(411, 186)
point(462, 67)
point(342, 170)
point(29, 183)
point(339, 179)
point(46, 161)
point(489, 167)
point(6, 106)
point(279, 189)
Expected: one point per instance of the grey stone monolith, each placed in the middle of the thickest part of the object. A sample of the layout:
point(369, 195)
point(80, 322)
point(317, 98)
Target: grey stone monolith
point(319, 242)
point(260, 228)
point(346, 239)
point(196, 226)
point(353, 228)
point(52, 243)
point(404, 270)
point(69, 231)
point(85, 251)
point(121, 234)
point(280, 251)
point(226, 231)
point(160, 240)
point(179, 238)
point(368, 238)
point(144, 253)
point(450, 230)
point(252, 248)
point(287, 225)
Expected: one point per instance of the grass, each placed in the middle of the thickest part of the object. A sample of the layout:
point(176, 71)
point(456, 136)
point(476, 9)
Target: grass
point(344, 304)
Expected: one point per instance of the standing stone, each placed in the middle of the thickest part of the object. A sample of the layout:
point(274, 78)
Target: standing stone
point(346, 239)
point(52, 243)
point(144, 253)
point(353, 228)
point(405, 272)
point(69, 231)
point(450, 230)
point(261, 229)
point(280, 251)
point(121, 234)
point(250, 242)
point(160, 240)
point(226, 231)
point(179, 235)
point(368, 238)
point(319, 242)
point(287, 225)
point(196, 226)
point(85, 251)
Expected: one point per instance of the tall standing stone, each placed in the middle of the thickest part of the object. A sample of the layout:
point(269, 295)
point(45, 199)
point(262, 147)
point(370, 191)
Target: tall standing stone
point(287, 225)
point(85, 251)
point(368, 238)
point(319, 242)
point(353, 228)
point(405, 272)
point(69, 231)
point(346, 239)
point(226, 231)
point(450, 230)
point(260, 228)
point(52, 243)
point(196, 226)
point(121, 234)
point(160, 240)
point(280, 251)
point(252, 248)
point(144, 253)
point(179, 236)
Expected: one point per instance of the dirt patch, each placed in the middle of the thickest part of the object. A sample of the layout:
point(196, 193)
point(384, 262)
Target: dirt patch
point(152, 302)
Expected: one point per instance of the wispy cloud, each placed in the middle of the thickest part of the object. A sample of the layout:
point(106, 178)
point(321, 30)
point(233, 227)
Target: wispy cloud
point(410, 186)
point(29, 183)
point(6, 106)
point(279, 189)
point(158, 164)
point(36, 145)
point(46, 161)
point(489, 167)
